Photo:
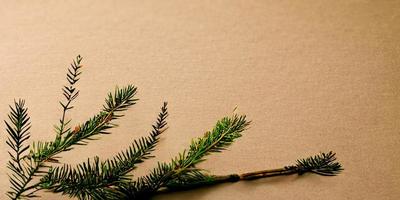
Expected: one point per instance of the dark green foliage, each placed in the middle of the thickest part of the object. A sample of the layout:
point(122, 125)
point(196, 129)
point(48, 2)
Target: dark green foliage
point(182, 168)
point(99, 124)
point(90, 180)
point(70, 93)
point(22, 170)
point(112, 178)
point(18, 130)
point(323, 164)
point(42, 153)
point(121, 100)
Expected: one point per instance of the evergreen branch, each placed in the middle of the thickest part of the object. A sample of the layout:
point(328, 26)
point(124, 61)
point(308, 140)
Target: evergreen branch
point(110, 179)
point(224, 133)
point(70, 93)
point(99, 124)
point(323, 164)
point(43, 152)
point(18, 131)
point(90, 180)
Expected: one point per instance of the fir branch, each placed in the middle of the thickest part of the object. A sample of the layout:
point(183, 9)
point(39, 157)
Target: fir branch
point(224, 133)
point(90, 180)
point(323, 164)
point(70, 93)
point(122, 99)
point(110, 179)
point(22, 172)
point(42, 152)
point(18, 131)
point(99, 124)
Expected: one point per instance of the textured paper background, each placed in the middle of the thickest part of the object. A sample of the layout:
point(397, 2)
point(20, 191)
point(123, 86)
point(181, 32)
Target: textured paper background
point(312, 75)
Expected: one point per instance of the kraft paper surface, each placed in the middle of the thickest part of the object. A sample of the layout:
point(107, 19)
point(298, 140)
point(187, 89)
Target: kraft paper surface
point(313, 76)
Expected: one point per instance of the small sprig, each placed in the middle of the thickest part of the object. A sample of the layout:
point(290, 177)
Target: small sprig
point(99, 124)
point(22, 171)
point(18, 131)
point(323, 164)
point(70, 93)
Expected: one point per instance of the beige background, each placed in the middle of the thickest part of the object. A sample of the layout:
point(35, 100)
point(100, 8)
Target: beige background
point(312, 75)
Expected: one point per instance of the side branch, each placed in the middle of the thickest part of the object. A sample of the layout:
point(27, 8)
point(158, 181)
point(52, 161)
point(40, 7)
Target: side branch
point(323, 164)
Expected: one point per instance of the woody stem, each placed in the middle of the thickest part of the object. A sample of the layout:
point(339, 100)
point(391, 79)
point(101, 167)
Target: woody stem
point(213, 180)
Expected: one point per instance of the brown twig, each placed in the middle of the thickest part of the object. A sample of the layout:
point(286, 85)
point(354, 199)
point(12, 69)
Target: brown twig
point(213, 180)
